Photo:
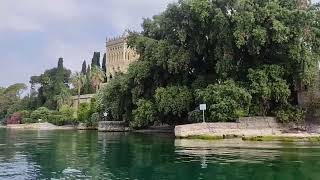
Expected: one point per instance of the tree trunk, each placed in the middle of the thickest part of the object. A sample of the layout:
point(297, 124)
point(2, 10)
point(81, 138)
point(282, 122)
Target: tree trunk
point(79, 92)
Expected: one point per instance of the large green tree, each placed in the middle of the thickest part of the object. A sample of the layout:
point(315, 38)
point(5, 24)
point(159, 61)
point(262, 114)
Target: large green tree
point(196, 43)
point(53, 85)
point(10, 99)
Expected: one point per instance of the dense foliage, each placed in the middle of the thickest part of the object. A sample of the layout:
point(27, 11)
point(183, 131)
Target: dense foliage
point(144, 115)
point(240, 57)
point(226, 101)
point(173, 103)
point(49, 99)
point(10, 100)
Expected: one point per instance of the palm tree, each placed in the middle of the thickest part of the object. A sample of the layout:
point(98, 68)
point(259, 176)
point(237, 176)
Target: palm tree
point(64, 98)
point(78, 80)
point(97, 76)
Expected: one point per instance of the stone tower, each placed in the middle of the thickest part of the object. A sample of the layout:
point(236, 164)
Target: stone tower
point(119, 56)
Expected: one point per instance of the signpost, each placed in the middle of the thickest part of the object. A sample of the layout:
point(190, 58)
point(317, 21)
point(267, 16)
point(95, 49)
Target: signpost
point(105, 114)
point(203, 107)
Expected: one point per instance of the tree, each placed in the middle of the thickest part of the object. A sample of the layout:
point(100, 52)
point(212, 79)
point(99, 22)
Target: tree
point(268, 88)
point(84, 68)
point(63, 98)
point(97, 77)
point(104, 65)
point(78, 80)
point(209, 47)
point(115, 97)
point(10, 99)
point(96, 59)
point(87, 88)
point(52, 83)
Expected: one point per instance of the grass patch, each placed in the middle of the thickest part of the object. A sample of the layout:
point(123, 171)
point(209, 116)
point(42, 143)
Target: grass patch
point(282, 138)
point(210, 137)
point(204, 137)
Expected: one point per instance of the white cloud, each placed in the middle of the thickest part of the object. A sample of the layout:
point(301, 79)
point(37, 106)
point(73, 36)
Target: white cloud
point(35, 15)
point(72, 29)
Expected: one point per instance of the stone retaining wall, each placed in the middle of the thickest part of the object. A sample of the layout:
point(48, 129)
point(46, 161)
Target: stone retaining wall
point(251, 126)
point(112, 126)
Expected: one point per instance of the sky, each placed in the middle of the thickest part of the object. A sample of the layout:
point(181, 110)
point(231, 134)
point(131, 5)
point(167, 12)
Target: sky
point(35, 33)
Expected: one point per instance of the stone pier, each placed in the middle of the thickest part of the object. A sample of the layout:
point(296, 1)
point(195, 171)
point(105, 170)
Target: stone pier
point(251, 126)
point(112, 126)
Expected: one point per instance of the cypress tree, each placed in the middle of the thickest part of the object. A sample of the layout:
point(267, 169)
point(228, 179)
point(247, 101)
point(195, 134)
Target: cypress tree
point(84, 67)
point(104, 63)
point(96, 59)
point(104, 66)
point(88, 89)
point(60, 63)
point(60, 72)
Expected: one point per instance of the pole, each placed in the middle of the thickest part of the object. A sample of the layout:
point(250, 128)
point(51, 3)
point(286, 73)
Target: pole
point(203, 116)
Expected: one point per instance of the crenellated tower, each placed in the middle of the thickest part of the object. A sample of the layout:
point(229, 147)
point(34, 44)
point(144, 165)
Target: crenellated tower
point(119, 55)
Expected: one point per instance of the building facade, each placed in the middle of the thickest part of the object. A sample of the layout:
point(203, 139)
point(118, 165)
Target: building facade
point(119, 56)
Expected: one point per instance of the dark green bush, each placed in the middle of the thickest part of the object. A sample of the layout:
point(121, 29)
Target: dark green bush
point(84, 112)
point(291, 114)
point(144, 115)
point(68, 115)
point(174, 103)
point(94, 119)
point(56, 119)
point(268, 89)
point(195, 116)
point(226, 101)
point(28, 121)
point(25, 114)
point(42, 113)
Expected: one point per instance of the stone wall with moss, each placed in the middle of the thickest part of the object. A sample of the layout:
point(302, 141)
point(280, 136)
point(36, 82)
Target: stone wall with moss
point(250, 126)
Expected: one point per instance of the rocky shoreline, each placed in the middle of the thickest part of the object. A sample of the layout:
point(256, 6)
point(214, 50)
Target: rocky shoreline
point(247, 129)
point(39, 126)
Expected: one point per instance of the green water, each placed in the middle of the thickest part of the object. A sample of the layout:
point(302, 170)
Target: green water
point(93, 155)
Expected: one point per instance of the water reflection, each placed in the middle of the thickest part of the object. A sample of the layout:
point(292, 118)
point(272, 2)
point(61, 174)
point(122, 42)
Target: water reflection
point(92, 155)
point(251, 160)
point(225, 151)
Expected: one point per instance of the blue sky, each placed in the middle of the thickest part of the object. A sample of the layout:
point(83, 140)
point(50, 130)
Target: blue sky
point(35, 33)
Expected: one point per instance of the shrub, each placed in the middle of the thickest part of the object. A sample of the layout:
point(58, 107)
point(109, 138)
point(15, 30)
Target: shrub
point(28, 121)
point(268, 89)
point(84, 112)
point(174, 102)
point(226, 101)
point(68, 114)
point(144, 115)
point(290, 114)
point(94, 119)
point(15, 118)
point(42, 113)
point(195, 116)
point(56, 119)
point(25, 114)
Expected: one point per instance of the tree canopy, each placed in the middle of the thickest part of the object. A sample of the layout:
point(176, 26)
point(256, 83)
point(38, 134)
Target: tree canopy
point(264, 47)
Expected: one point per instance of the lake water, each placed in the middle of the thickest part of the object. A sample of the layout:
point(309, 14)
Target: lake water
point(93, 155)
